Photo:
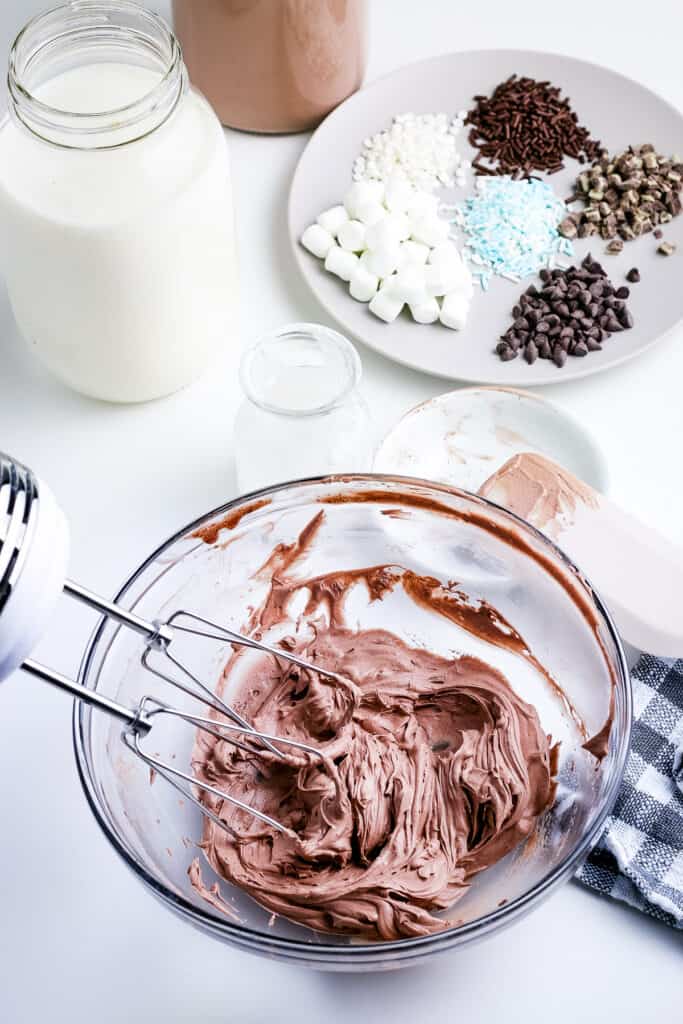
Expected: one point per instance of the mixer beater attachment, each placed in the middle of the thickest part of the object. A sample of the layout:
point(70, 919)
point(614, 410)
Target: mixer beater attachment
point(33, 557)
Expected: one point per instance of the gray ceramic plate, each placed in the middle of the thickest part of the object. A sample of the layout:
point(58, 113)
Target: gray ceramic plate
point(616, 110)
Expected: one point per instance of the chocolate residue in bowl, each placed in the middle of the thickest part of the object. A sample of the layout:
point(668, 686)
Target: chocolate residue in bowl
point(433, 769)
point(571, 492)
point(210, 533)
point(512, 535)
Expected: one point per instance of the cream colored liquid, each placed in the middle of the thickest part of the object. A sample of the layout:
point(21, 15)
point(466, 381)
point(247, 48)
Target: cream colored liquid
point(120, 263)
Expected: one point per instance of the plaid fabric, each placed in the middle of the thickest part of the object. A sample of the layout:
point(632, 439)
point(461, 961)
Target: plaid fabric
point(639, 858)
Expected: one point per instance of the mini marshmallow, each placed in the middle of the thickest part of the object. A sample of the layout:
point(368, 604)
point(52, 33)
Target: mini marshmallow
point(403, 225)
point(383, 260)
point(425, 312)
point(465, 283)
point(441, 279)
point(385, 306)
point(351, 236)
point(413, 253)
point(331, 220)
point(408, 285)
point(445, 253)
point(361, 193)
point(393, 229)
point(363, 284)
point(430, 230)
point(454, 269)
point(371, 213)
point(317, 240)
point(340, 262)
point(454, 310)
point(399, 194)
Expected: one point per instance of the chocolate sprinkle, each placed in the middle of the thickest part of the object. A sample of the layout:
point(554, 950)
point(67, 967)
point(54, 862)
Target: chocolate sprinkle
point(525, 126)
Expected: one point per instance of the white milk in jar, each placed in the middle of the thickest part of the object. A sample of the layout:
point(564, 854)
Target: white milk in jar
point(116, 226)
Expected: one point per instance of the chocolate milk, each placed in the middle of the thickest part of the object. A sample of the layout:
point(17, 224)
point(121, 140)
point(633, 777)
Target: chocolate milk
point(273, 65)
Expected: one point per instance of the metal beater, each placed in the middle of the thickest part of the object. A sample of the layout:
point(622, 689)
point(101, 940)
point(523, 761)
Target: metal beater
point(33, 558)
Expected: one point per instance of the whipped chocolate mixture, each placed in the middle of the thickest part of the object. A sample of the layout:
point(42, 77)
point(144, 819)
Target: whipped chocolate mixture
point(432, 769)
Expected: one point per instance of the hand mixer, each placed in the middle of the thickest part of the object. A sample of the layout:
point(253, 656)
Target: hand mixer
point(33, 558)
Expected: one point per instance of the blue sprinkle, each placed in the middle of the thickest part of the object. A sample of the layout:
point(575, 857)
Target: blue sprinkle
point(511, 227)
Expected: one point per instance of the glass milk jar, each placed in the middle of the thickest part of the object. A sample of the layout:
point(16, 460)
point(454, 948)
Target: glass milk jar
point(116, 226)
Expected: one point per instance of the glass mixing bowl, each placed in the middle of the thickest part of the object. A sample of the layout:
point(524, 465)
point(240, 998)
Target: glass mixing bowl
point(368, 520)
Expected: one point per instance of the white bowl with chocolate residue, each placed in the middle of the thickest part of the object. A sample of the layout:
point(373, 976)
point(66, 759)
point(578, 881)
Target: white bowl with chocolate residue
point(462, 437)
point(460, 577)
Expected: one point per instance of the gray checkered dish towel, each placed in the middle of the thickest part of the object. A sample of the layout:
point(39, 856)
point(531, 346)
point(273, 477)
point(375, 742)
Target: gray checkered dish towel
point(639, 857)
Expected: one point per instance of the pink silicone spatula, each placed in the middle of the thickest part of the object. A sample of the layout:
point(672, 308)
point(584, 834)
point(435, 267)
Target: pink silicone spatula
point(638, 573)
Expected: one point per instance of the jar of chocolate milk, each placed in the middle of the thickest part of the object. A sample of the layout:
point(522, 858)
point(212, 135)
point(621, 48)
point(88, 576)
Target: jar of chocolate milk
point(273, 65)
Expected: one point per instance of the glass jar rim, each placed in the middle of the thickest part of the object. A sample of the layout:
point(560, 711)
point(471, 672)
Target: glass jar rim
point(112, 127)
point(314, 332)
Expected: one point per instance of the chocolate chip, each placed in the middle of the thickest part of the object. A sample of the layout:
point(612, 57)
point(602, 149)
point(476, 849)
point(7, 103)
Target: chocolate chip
point(633, 275)
point(592, 309)
point(531, 353)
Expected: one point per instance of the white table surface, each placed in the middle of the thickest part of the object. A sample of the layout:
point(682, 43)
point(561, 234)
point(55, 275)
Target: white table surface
point(80, 940)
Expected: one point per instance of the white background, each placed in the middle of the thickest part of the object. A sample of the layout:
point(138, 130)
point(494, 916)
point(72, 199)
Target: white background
point(80, 940)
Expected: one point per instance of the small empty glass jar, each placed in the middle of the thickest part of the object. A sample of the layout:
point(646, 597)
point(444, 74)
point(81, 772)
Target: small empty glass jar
point(303, 414)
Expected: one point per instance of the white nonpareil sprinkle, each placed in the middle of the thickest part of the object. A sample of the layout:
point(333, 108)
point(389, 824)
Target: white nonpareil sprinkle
point(422, 148)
